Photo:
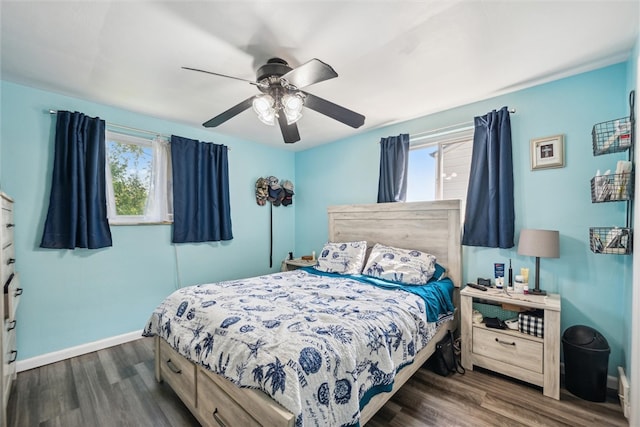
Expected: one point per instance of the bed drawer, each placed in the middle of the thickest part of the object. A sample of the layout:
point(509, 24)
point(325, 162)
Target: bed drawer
point(508, 347)
point(179, 373)
point(256, 403)
point(217, 408)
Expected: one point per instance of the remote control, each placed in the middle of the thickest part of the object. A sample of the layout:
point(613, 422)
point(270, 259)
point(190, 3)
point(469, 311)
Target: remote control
point(479, 287)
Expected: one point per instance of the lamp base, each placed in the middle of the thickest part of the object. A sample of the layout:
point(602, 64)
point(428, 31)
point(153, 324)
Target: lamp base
point(537, 292)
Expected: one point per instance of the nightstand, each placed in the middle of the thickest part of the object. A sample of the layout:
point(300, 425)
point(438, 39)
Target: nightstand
point(525, 357)
point(293, 264)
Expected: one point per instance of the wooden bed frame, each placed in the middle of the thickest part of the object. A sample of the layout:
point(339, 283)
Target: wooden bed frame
point(430, 226)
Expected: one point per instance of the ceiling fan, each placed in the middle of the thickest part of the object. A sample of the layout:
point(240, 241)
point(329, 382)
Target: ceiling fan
point(282, 99)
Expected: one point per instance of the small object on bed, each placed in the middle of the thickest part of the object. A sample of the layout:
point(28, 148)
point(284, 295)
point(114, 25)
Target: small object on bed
point(307, 257)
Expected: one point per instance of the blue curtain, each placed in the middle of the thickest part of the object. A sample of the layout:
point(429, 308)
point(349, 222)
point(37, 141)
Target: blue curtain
point(394, 164)
point(490, 215)
point(201, 209)
point(77, 215)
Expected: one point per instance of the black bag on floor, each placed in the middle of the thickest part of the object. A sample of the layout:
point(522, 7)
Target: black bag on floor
point(444, 360)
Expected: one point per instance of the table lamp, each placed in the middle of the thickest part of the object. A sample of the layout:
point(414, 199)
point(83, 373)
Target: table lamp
point(540, 244)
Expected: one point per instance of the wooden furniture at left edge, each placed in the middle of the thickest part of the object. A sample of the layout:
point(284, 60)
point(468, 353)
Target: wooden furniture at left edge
point(12, 292)
point(430, 226)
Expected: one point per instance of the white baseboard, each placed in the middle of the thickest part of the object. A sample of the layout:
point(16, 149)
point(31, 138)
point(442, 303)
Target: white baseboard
point(56, 356)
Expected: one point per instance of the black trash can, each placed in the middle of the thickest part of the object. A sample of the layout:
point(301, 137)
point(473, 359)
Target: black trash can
point(586, 361)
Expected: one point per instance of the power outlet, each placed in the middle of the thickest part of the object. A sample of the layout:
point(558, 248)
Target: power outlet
point(623, 391)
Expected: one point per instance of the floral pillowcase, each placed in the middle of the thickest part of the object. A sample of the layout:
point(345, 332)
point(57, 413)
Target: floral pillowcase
point(409, 267)
point(342, 258)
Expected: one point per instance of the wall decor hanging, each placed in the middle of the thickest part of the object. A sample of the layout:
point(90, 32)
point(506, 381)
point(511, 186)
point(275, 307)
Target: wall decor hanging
point(270, 190)
point(547, 152)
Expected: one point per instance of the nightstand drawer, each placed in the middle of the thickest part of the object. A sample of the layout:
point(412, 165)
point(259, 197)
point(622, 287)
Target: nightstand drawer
point(508, 348)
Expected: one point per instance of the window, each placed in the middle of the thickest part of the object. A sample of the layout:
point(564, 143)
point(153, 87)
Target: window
point(138, 179)
point(439, 167)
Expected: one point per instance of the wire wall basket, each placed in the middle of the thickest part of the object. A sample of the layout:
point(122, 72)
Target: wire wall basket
point(611, 188)
point(611, 240)
point(611, 136)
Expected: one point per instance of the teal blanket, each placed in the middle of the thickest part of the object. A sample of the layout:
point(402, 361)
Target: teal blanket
point(437, 295)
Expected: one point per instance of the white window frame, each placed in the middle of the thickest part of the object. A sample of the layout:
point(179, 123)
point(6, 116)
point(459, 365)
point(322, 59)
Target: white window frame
point(159, 207)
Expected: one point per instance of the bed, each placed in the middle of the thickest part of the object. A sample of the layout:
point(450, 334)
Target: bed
point(275, 355)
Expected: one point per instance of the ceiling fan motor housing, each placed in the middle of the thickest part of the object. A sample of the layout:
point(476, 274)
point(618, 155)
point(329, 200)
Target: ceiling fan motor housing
point(270, 74)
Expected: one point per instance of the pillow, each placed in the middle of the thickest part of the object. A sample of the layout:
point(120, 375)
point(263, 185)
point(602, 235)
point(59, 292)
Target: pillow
point(342, 258)
point(409, 267)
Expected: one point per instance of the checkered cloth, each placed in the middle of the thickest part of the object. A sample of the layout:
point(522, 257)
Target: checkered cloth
point(532, 323)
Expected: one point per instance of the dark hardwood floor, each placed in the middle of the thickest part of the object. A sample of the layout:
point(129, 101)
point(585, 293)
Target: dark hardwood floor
point(117, 387)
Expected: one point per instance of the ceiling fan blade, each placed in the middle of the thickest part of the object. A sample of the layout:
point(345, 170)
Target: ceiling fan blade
point(222, 75)
point(311, 72)
point(341, 114)
point(289, 132)
point(230, 113)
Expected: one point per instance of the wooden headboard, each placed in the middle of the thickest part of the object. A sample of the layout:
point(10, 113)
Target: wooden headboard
point(432, 227)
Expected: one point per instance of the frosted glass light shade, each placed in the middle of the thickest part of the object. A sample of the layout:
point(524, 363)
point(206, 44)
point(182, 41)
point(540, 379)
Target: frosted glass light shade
point(292, 107)
point(263, 107)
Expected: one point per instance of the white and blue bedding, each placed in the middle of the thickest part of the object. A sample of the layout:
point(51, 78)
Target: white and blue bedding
point(320, 344)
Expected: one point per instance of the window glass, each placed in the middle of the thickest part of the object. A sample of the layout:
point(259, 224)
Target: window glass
point(137, 179)
point(421, 182)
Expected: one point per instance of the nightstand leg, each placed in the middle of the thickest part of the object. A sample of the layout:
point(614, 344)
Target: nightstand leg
point(552, 354)
point(466, 311)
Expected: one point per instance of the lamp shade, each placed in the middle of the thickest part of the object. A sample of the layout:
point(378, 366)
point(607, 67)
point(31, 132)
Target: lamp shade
point(539, 243)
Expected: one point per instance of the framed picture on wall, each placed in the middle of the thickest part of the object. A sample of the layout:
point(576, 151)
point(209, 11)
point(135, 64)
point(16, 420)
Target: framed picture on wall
point(547, 152)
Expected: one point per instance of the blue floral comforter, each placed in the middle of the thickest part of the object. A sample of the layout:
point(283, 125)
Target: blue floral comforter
point(320, 345)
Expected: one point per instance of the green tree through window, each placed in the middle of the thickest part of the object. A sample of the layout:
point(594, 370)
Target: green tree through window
point(130, 166)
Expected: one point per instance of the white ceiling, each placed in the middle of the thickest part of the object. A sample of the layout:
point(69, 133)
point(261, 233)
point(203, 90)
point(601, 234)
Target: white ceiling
point(396, 60)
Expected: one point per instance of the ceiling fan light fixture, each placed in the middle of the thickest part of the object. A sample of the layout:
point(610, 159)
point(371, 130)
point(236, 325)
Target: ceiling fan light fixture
point(292, 106)
point(263, 106)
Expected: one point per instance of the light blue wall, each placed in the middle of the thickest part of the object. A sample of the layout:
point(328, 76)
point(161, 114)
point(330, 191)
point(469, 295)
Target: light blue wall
point(593, 287)
point(76, 297)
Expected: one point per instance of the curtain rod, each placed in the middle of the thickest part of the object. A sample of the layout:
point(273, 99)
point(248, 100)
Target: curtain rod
point(430, 133)
point(148, 132)
point(113, 125)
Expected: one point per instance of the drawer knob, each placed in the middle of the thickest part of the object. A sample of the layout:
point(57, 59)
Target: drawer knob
point(18, 292)
point(14, 355)
point(10, 225)
point(218, 419)
point(11, 261)
point(173, 367)
point(12, 325)
point(505, 342)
